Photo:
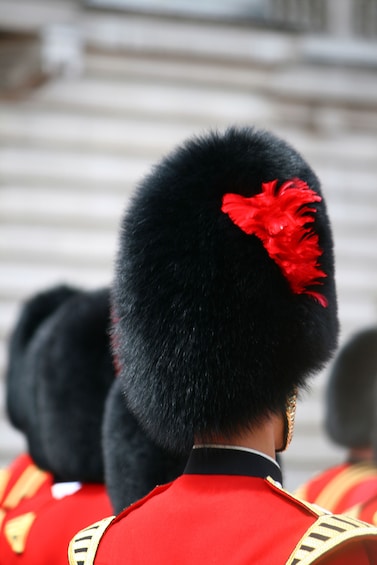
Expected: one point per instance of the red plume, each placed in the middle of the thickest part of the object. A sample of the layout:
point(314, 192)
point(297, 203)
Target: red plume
point(281, 219)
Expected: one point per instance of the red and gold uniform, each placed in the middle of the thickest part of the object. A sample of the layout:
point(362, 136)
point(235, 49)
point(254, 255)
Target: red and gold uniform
point(227, 508)
point(21, 480)
point(341, 487)
point(366, 511)
point(35, 510)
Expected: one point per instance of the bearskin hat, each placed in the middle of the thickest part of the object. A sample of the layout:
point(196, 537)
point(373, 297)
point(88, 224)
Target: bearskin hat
point(18, 378)
point(60, 371)
point(73, 371)
point(224, 291)
point(351, 416)
point(134, 464)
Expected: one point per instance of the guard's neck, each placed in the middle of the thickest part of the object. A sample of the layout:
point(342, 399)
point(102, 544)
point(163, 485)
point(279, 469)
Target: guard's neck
point(266, 438)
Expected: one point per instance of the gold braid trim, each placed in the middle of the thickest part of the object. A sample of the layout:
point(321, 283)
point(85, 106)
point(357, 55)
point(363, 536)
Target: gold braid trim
point(4, 479)
point(83, 546)
point(312, 507)
point(333, 492)
point(26, 486)
point(17, 529)
point(328, 532)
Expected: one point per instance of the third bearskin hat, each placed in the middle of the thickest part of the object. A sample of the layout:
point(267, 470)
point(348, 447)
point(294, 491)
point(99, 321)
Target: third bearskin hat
point(224, 291)
point(352, 392)
point(134, 464)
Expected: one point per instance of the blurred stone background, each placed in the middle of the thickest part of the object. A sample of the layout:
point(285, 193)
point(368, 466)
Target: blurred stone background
point(92, 92)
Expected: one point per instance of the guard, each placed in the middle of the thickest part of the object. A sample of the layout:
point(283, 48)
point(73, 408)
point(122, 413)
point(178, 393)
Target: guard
point(225, 303)
point(351, 423)
point(59, 373)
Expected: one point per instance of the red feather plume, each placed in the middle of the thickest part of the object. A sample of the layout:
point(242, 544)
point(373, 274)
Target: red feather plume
point(280, 218)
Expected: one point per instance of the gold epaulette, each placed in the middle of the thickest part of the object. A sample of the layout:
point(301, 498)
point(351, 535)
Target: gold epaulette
point(4, 479)
point(16, 531)
point(26, 486)
point(314, 508)
point(328, 532)
point(344, 482)
point(83, 546)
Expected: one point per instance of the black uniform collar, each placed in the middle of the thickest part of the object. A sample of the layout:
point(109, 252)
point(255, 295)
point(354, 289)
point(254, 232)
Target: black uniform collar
point(231, 461)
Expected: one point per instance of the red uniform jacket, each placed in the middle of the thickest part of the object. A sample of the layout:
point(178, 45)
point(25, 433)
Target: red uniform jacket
point(222, 510)
point(340, 488)
point(366, 511)
point(36, 521)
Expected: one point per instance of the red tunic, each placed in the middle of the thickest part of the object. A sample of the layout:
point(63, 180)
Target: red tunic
point(212, 519)
point(366, 511)
point(36, 526)
point(340, 488)
point(33, 479)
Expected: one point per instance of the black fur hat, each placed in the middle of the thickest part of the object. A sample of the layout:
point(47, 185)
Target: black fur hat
point(134, 464)
point(351, 415)
point(72, 370)
point(214, 330)
point(18, 377)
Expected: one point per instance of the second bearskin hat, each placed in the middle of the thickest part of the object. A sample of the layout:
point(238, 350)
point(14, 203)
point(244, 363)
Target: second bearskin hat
point(351, 415)
point(73, 372)
point(60, 371)
point(224, 291)
point(20, 403)
point(134, 464)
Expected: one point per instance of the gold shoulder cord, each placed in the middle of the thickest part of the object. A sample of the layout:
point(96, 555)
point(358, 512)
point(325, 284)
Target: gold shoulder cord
point(344, 482)
point(328, 532)
point(339, 485)
point(16, 531)
point(312, 507)
point(25, 487)
point(83, 547)
point(4, 479)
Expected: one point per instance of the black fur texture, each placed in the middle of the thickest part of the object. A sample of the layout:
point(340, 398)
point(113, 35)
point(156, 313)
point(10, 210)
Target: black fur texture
point(18, 377)
point(134, 465)
point(351, 415)
point(73, 371)
point(210, 336)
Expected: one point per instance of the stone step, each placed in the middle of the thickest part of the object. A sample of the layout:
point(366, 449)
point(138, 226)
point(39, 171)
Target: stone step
point(199, 106)
point(47, 165)
point(297, 80)
point(19, 281)
point(307, 456)
point(32, 124)
point(187, 39)
point(321, 451)
point(333, 103)
point(345, 183)
point(95, 248)
point(326, 85)
point(237, 75)
point(12, 443)
point(68, 209)
point(9, 313)
point(359, 280)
